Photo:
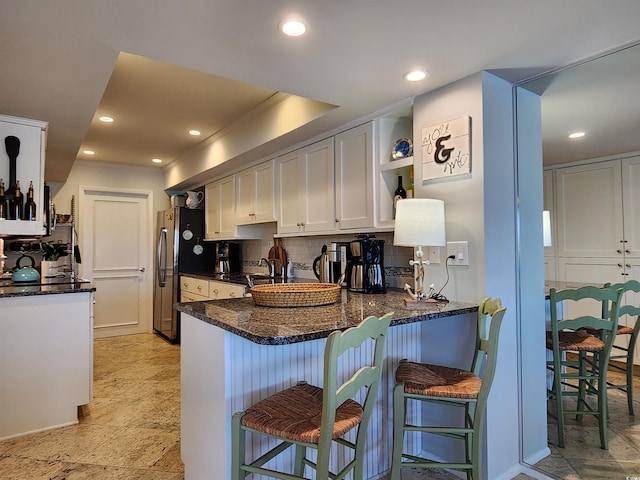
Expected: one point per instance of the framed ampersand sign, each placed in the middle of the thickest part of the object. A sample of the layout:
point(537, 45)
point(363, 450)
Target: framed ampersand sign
point(446, 149)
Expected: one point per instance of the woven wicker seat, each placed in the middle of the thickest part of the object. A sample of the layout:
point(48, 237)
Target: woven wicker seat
point(438, 381)
point(305, 416)
point(588, 374)
point(453, 387)
point(296, 414)
point(576, 341)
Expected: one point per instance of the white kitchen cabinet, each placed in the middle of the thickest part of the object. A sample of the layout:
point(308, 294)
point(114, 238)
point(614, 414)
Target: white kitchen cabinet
point(255, 194)
point(597, 208)
point(305, 190)
point(220, 206)
point(29, 168)
point(589, 210)
point(194, 289)
point(218, 290)
point(46, 361)
point(354, 173)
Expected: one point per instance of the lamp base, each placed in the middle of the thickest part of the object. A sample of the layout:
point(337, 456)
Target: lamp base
point(425, 303)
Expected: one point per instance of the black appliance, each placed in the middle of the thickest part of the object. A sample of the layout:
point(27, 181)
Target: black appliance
point(365, 268)
point(227, 257)
point(180, 249)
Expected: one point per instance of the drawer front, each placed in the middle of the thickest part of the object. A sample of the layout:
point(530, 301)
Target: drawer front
point(191, 297)
point(194, 285)
point(218, 290)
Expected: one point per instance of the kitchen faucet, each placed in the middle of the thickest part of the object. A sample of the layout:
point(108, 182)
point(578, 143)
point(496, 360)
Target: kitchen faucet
point(271, 266)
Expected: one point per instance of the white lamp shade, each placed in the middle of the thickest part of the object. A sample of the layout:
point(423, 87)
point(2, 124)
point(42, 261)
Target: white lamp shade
point(546, 228)
point(419, 221)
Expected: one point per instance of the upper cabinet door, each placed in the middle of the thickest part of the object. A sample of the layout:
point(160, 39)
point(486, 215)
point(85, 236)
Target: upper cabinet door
point(354, 178)
point(256, 194)
point(220, 209)
point(305, 186)
point(319, 200)
point(589, 210)
point(631, 205)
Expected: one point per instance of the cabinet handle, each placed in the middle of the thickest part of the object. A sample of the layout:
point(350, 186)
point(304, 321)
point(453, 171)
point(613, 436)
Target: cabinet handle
point(627, 251)
point(186, 285)
point(232, 294)
point(337, 221)
point(620, 265)
point(215, 290)
point(628, 265)
point(618, 251)
point(199, 287)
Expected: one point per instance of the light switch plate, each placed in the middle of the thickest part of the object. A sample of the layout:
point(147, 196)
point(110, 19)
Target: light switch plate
point(433, 255)
point(460, 250)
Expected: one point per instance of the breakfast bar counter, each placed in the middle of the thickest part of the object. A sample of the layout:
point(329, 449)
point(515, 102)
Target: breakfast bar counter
point(234, 353)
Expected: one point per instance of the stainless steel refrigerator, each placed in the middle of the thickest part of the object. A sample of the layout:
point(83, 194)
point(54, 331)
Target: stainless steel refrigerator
point(180, 248)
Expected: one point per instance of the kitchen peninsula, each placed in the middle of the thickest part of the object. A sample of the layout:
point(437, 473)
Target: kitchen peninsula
point(46, 354)
point(234, 353)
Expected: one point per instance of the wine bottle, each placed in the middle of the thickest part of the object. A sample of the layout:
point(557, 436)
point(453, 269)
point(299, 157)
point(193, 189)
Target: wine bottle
point(15, 204)
point(410, 184)
point(399, 194)
point(3, 201)
point(29, 206)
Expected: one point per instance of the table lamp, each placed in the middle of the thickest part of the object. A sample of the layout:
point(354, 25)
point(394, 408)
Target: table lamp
point(419, 222)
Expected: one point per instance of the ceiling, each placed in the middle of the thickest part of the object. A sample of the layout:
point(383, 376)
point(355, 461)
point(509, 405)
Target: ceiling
point(162, 67)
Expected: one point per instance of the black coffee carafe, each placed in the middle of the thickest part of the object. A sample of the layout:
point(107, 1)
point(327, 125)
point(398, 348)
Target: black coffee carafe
point(365, 271)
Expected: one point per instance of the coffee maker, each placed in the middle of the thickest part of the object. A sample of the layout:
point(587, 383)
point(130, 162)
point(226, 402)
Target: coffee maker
point(365, 269)
point(227, 258)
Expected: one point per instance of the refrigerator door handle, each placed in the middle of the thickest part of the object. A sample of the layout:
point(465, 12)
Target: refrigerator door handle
point(162, 258)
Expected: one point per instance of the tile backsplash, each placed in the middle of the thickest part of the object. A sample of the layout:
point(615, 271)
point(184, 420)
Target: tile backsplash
point(303, 250)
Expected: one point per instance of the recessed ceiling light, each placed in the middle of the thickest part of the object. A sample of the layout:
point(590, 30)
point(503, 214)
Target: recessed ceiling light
point(576, 134)
point(293, 27)
point(88, 152)
point(105, 119)
point(415, 76)
point(195, 133)
point(156, 160)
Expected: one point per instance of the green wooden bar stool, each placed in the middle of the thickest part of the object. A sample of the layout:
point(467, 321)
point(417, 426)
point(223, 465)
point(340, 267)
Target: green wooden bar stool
point(305, 416)
point(587, 374)
point(454, 387)
point(621, 353)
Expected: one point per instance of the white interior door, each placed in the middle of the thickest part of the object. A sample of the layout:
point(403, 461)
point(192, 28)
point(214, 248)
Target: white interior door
point(115, 240)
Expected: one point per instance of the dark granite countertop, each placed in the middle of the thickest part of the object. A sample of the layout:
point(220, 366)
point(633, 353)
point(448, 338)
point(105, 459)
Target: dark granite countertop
point(9, 289)
point(280, 326)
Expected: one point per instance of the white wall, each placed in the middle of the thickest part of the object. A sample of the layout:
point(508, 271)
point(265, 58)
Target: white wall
point(481, 208)
point(98, 174)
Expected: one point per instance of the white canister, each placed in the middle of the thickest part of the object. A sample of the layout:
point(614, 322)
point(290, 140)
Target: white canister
point(49, 268)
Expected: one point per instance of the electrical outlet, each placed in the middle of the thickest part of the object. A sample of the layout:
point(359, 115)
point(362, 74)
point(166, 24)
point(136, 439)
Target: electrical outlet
point(460, 252)
point(433, 255)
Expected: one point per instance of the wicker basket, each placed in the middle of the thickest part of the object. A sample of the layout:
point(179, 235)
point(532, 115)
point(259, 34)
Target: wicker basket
point(295, 294)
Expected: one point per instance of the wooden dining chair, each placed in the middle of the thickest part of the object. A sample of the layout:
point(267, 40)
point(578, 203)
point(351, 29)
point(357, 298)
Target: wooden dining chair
point(621, 353)
point(454, 387)
point(308, 417)
point(588, 373)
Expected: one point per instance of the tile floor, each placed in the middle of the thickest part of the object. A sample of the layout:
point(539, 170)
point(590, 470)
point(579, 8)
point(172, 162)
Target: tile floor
point(131, 429)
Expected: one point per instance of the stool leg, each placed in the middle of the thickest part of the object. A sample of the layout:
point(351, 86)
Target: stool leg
point(237, 447)
point(629, 373)
point(399, 409)
point(602, 404)
point(301, 451)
